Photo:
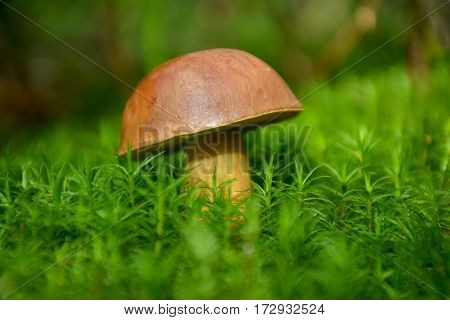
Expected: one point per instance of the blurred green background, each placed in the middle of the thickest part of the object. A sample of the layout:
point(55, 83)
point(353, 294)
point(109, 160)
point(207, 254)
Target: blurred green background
point(43, 82)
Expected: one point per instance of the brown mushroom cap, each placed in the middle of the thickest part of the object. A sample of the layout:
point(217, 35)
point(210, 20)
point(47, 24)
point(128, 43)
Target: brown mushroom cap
point(201, 91)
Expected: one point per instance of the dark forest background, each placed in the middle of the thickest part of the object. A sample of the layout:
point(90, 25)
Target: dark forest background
point(42, 81)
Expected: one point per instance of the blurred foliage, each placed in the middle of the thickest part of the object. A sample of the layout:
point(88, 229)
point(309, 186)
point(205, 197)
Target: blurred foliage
point(42, 80)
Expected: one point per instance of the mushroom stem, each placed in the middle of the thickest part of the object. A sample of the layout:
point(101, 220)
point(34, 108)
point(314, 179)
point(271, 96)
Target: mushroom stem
point(219, 160)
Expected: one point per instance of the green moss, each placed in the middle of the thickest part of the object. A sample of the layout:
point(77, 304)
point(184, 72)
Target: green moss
point(356, 207)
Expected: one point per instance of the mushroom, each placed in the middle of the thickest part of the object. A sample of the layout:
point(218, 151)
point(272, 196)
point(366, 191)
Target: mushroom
point(202, 100)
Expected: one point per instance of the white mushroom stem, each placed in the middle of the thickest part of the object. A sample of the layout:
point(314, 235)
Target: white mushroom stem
point(219, 160)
